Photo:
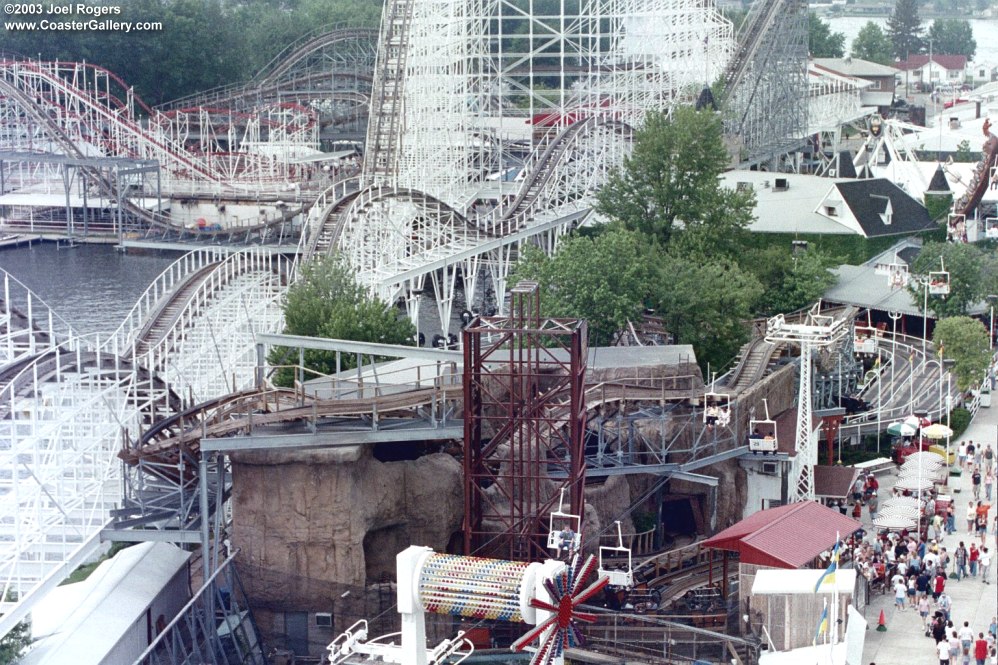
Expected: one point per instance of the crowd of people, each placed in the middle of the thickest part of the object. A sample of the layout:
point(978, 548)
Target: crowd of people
point(918, 567)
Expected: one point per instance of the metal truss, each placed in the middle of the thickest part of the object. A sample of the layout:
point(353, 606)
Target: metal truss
point(816, 331)
point(512, 120)
point(329, 70)
point(524, 415)
point(833, 100)
point(27, 325)
point(196, 324)
point(49, 103)
point(766, 81)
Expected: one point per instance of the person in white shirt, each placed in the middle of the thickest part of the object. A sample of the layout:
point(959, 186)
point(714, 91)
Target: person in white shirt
point(942, 648)
point(966, 634)
point(985, 563)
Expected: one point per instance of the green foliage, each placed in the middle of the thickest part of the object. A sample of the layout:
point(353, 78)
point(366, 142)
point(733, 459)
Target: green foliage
point(959, 421)
point(707, 302)
point(964, 341)
point(964, 154)
point(328, 302)
point(203, 43)
point(605, 280)
point(822, 42)
point(904, 27)
point(791, 281)
point(938, 205)
point(873, 44)
point(15, 643)
point(952, 37)
point(965, 264)
point(671, 181)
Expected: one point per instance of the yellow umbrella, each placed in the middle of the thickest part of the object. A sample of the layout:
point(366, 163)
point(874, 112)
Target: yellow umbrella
point(937, 431)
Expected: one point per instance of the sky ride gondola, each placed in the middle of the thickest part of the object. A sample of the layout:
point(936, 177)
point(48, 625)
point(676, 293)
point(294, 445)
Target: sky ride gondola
point(762, 433)
point(717, 409)
point(564, 530)
point(617, 576)
point(939, 281)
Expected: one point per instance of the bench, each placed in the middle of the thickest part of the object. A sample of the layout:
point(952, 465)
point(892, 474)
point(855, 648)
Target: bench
point(875, 466)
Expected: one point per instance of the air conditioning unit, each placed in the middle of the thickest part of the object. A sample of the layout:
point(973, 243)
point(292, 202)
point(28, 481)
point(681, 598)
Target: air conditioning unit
point(781, 185)
point(323, 620)
point(770, 468)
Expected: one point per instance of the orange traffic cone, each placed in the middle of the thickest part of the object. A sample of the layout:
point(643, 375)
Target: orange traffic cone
point(882, 625)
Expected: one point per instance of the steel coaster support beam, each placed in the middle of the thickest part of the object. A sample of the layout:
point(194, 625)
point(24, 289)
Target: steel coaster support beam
point(519, 436)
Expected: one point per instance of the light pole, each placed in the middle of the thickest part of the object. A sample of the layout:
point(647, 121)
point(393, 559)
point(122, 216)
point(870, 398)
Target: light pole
point(991, 329)
point(894, 316)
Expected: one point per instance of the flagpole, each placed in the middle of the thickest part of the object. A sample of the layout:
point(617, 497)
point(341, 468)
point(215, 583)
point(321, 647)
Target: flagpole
point(835, 602)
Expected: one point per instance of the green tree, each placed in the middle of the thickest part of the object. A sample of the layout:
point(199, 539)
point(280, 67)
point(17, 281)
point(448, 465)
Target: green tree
point(670, 181)
point(965, 264)
point(328, 302)
point(792, 281)
point(904, 27)
point(873, 44)
point(964, 341)
point(822, 42)
point(15, 643)
point(604, 279)
point(707, 303)
point(953, 37)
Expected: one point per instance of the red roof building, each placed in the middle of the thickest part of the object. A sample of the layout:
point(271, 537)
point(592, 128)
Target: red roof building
point(790, 536)
point(918, 71)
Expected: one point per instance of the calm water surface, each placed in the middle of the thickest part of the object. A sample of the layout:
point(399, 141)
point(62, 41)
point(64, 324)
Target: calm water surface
point(92, 287)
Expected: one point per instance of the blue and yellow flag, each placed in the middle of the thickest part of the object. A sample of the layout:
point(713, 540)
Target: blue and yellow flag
point(829, 574)
point(822, 624)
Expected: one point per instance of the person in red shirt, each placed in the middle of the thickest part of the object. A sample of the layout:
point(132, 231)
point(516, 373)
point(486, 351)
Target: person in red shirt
point(940, 585)
point(981, 649)
point(975, 554)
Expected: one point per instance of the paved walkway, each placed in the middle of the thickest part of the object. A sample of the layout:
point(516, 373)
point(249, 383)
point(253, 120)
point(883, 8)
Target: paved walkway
point(905, 643)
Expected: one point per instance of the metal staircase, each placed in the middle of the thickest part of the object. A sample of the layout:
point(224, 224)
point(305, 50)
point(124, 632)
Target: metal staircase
point(384, 127)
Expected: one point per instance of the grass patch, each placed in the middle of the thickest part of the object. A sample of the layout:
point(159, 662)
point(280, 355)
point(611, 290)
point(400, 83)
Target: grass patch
point(83, 572)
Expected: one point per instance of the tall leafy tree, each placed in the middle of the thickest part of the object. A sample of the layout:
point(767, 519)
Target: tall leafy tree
point(822, 42)
point(964, 341)
point(952, 37)
point(967, 268)
point(792, 281)
point(873, 44)
point(605, 280)
point(670, 182)
point(707, 303)
point(328, 302)
point(904, 27)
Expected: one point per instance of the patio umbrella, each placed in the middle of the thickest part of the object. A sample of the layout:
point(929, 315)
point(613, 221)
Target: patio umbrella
point(913, 483)
point(906, 512)
point(900, 429)
point(909, 501)
point(931, 474)
point(894, 522)
point(937, 431)
point(927, 466)
point(926, 455)
point(917, 422)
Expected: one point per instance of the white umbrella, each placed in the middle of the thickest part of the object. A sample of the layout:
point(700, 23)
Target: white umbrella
point(911, 476)
point(912, 465)
point(913, 483)
point(907, 512)
point(925, 455)
point(909, 501)
point(901, 429)
point(893, 522)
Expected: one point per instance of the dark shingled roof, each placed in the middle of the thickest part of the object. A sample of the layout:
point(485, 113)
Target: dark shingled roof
point(834, 482)
point(868, 200)
point(846, 168)
point(939, 183)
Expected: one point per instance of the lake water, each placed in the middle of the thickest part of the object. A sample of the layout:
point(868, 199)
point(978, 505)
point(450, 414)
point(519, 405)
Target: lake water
point(92, 287)
point(985, 34)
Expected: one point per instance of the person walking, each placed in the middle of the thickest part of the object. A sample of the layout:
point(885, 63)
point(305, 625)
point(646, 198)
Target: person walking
point(989, 458)
point(954, 647)
point(872, 503)
point(975, 479)
point(960, 559)
point(900, 590)
point(971, 517)
point(942, 648)
point(962, 453)
point(972, 556)
point(945, 605)
point(939, 586)
point(989, 484)
point(966, 639)
point(950, 519)
point(985, 563)
point(980, 649)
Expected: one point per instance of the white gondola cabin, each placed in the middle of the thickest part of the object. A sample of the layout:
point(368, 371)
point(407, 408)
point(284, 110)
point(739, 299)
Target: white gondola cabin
point(717, 409)
point(762, 433)
point(621, 573)
point(991, 228)
point(564, 530)
point(939, 283)
point(865, 339)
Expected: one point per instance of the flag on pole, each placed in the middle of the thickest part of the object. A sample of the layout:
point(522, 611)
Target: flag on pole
point(829, 574)
point(822, 624)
